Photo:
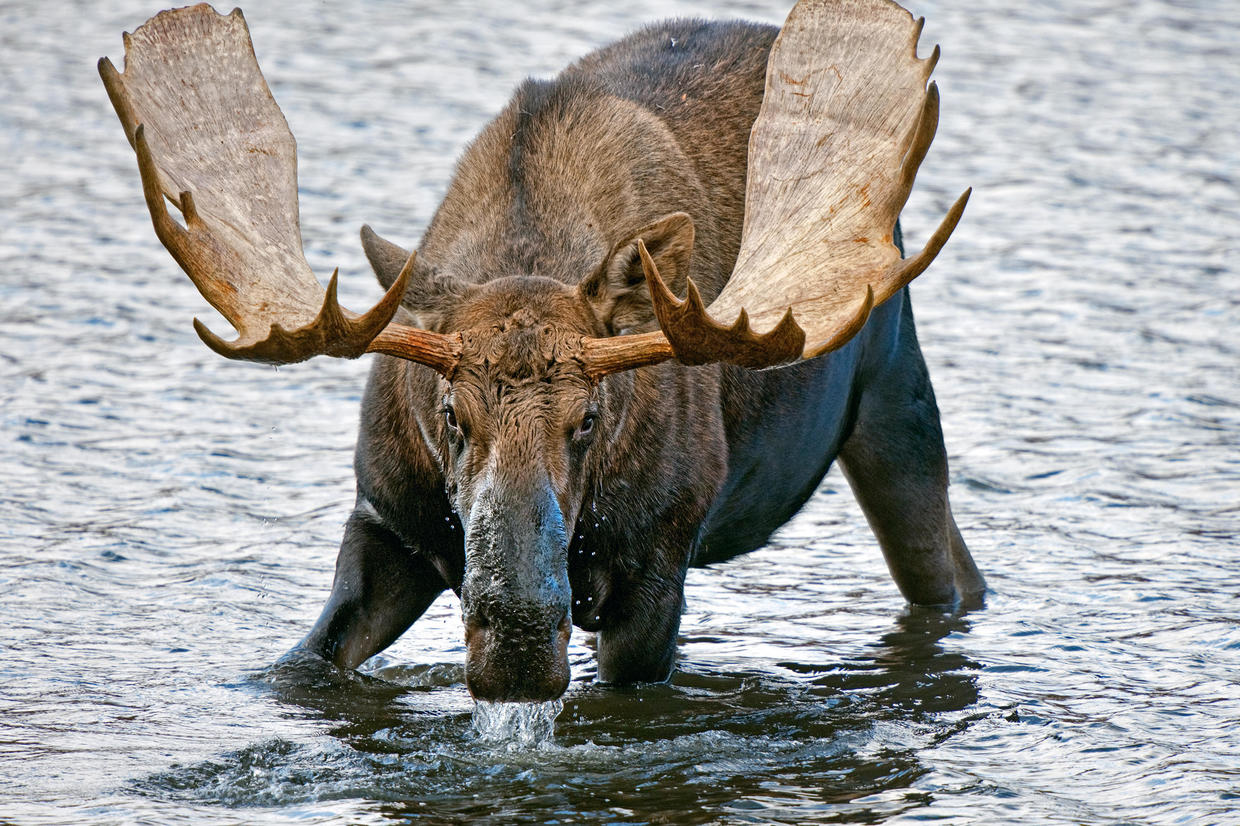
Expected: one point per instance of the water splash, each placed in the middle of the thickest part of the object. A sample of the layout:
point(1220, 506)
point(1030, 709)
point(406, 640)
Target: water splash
point(515, 725)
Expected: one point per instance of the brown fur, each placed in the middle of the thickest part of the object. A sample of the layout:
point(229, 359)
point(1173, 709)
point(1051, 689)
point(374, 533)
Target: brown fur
point(540, 495)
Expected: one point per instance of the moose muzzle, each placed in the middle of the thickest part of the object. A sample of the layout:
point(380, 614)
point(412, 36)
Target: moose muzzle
point(515, 596)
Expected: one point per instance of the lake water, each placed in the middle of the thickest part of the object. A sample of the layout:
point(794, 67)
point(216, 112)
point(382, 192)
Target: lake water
point(169, 520)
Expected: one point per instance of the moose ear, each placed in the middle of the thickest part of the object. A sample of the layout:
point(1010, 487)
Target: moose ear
point(428, 296)
point(617, 289)
point(385, 258)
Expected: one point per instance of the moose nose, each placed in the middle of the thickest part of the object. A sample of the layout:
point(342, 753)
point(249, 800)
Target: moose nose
point(515, 595)
point(530, 666)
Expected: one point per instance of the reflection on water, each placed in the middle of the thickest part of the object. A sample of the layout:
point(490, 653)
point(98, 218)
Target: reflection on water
point(168, 520)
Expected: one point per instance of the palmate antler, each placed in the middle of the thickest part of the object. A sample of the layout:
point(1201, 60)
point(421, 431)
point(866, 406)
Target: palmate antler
point(210, 137)
point(845, 122)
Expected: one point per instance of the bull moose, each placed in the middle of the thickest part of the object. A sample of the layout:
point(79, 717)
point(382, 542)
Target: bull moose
point(549, 430)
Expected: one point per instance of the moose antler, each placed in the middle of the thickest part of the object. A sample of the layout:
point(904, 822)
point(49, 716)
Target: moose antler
point(221, 151)
point(845, 122)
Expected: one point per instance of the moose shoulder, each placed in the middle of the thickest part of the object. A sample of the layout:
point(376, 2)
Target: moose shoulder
point(553, 435)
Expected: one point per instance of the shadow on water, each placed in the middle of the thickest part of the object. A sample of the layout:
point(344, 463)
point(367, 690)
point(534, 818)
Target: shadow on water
point(800, 740)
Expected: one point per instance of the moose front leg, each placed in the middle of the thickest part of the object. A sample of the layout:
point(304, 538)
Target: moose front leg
point(637, 640)
point(381, 588)
point(896, 463)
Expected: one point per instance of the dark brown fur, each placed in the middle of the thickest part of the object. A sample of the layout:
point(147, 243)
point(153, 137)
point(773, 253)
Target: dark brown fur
point(541, 496)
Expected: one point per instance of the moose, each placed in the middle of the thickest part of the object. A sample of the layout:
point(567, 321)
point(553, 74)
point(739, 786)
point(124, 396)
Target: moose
point(549, 430)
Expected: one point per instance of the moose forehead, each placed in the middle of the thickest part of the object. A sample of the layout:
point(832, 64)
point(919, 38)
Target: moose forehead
point(521, 330)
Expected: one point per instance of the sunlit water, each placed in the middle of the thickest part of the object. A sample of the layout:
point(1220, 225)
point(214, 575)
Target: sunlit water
point(168, 520)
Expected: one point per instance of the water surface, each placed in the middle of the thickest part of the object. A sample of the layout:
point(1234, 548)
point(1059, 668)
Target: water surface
point(168, 520)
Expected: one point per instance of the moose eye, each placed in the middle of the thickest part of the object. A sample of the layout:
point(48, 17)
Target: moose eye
point(587, 425)
point(449, 417)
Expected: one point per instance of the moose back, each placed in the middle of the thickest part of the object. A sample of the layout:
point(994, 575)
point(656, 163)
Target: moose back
point(548, 430)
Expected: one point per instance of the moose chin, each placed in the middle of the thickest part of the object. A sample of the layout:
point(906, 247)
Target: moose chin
point(548, 429)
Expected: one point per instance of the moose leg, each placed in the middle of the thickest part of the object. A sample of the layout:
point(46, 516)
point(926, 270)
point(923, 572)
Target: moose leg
point(637, 643)
point(895, 462)
point(380, 588)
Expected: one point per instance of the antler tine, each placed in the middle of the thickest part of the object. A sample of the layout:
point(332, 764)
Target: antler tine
point(845, 331)
point(696, 338)
point(191, 86)
point(903, 272)
point(441, 352)
point(171, 234)
point(333, 332)
point(115, 88)
point(921, 137)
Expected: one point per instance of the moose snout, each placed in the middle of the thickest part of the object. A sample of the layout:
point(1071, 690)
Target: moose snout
point(515, 597)
point(526, 664)
point(516, 643)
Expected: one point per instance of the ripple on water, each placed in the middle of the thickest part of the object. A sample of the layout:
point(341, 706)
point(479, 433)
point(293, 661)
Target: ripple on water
point(168, 520)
